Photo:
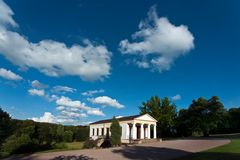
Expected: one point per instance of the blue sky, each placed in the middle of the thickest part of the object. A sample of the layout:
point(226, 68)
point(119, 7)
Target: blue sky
point(75, 62)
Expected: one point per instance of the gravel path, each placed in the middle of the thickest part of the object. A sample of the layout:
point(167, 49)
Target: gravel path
point(151, 151)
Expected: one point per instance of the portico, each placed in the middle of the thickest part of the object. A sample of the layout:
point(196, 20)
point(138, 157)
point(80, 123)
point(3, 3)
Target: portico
point(133, 128)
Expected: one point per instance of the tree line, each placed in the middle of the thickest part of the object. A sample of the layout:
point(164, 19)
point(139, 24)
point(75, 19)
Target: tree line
point(202, 117)
point(21, 136)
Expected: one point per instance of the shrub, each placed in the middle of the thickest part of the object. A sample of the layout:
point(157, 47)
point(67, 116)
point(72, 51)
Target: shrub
point(21, 144)
point(116, 132)
point(90, 143)
point(106, 144)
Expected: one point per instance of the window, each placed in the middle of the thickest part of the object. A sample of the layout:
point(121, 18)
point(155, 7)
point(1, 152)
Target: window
point(102, 131)
point(107, 132)
point(93, 131)
point(97, 132)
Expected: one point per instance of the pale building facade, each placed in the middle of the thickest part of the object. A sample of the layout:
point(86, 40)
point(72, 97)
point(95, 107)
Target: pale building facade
point(133, 128)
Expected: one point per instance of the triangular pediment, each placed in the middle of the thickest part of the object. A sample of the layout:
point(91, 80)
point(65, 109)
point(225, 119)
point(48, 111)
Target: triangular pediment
point(146, 117)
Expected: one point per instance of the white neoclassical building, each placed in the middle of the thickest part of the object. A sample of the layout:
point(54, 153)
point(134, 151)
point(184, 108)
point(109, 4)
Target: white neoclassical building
point(133, 128)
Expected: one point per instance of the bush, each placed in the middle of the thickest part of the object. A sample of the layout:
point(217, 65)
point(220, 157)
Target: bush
point(21, 144)
point(90, 143)
point(106, 144)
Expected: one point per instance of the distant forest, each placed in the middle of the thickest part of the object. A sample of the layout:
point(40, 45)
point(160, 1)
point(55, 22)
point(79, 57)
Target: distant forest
point(24, 136)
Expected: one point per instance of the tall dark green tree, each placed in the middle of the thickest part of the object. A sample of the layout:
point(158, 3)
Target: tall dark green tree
point(206, 115)
point(183, 123)
point(116, 132)
point(164, 111)
point(234, 115)
point(5, 125)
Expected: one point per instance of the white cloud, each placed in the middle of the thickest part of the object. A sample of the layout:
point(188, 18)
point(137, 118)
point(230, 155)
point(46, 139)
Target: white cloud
point(60, 108)
point(36, 92)
point(89, 61)
point(73, 114)
point(52, 97)
point(63, 89)
point(92, 92)
point(7, 74)
point(95, 111)
point(158, 42)
point(6, 14)
point(176, 97)
point(47, 117)
point(65, 101)
point(106, 101)
point(38, 85)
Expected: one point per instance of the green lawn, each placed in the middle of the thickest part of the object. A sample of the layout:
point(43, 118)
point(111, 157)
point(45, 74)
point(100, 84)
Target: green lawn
point(229, 151)
point(66, 146)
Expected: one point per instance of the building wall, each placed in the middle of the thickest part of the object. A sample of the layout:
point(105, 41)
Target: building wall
point(123, 124)
point(145, 119)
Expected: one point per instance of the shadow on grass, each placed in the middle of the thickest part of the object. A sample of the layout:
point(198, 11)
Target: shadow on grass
point(61, 157)
point(211, 156)
point(81, 157)
point(229, 136)
point(150, 153)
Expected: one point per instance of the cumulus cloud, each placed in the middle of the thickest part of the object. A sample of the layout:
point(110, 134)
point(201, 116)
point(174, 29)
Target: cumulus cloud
point(63, 89)
point(89, 61)
point(36, 92)
point(47, 117)
point(106, 101)
point(176, 97)
point(92, 92)
point(7, 74)
point(65, 101)
point(158, 42)
point(6, 14)
point(73, 114)
point(60, 108)
point(38, 85)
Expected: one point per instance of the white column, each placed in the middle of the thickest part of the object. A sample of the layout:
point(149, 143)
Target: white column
point(126, 136)
point(90, 132)
point(155, 131)
point(146, 132)
point(142, 132)
point(134, 134)
point(149, 131)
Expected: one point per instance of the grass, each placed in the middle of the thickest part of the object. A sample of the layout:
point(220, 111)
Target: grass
point(65, 147)
point(229, 151)
point(75, 145)
point(57, 147)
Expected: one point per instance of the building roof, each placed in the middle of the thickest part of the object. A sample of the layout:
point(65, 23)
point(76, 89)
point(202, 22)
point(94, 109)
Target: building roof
point(120, 119)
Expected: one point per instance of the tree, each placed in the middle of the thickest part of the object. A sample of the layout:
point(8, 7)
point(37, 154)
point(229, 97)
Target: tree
point(67, 136)
point(234, 114)
point(183, 123)
point(60, 133)
point(81, 133)
point(5, 125)
point(164, 111)
point(116, 132)
point(206, 114)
